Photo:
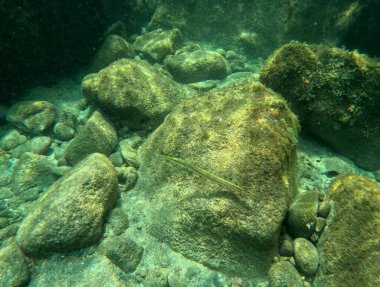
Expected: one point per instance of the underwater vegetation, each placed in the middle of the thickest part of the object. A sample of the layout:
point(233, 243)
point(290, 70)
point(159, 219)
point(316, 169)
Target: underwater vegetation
point(189, 143)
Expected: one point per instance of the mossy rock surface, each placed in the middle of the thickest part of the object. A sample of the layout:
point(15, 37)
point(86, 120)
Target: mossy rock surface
point(335, 93)
point(32, 117)
point(196, 66)
point(71, 214)
point(158, 44)
point(97, 135)
point(133, 91)
point(244, 134)
point(349, 247)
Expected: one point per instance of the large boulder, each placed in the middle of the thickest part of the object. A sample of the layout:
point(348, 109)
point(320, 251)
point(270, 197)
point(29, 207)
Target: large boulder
point(71, 213)
point(349, 247)
point(335, 94)
point(97, 135)
point(32, 117)
point(217, 178)
point(135, 91)
point(196, 66)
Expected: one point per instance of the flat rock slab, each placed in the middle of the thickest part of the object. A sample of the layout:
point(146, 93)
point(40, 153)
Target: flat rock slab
point(70, 215)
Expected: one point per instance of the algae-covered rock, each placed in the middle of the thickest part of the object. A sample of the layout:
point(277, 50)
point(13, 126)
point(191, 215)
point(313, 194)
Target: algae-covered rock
point(302, 214)
point(97, 135)
point(123, 252)
point(305, 256)
point(158, 44)
point(113, 48)
point(335, 93)
point(37, 145)
point(79, 271)
point(32, 171)
point(14, 266)
point(63, 132)
point(196, 66)
point(11, 140)
point(245, 135)
point(133, 90)
point(284, 274)
point(71, 213)
point(349, 247)
point(31, 117)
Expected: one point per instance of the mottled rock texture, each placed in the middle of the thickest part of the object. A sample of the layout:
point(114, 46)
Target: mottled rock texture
point(14, 266)
point(113, 48)
point(196, 66)
point(97, 135)
point(158, 44)
point(349, 247)
point(284, 274)
point(31, 117)
point(135, 91)
point(245, 134)
point(335, 94)
point(71, 213)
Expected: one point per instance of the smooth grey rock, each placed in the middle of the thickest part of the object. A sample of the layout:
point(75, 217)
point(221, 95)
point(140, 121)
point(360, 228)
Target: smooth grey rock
point(70, 215)
point(284, 274)
point(306, 256)
point(98, 135)
point(32, 117)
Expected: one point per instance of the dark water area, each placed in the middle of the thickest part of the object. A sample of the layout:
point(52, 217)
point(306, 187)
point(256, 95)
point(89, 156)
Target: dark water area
point(167, 143)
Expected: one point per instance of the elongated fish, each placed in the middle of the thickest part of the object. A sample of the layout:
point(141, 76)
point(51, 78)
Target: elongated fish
point(202, 172)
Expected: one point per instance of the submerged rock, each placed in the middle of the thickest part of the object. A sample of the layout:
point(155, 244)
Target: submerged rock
point(158, 44)
point(244, 134)
point(71, 213)
point(335, 93)
point(349, 247)
point(123, 252)
point(11, 140)
point(84, 271)
point(305, 256)
point(113, 48)
point(97, 135)
point(135, 91)
point(196, 66)
point(31, 117)
point(14, 266)
point(302, 214)
point(284, 274)
point(37, 145)
point(32, 172)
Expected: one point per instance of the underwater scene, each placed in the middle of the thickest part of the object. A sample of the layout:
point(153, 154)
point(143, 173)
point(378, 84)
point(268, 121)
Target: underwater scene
point(169, 143)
